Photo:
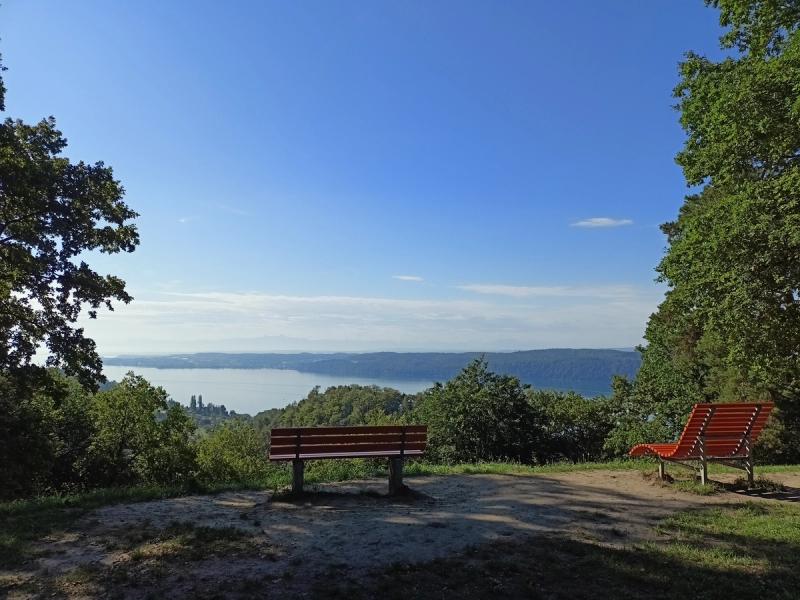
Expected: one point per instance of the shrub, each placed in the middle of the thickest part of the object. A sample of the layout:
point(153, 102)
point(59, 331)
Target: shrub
point(479, 416)
point(233, 452)
point(575, 427)
point(138, 438)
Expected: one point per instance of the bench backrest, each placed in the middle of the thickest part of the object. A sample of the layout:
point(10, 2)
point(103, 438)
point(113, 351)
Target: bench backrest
point(723, 430)
point(288, 443)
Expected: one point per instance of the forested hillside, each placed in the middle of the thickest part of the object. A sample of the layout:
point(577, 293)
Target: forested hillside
point(585, 370)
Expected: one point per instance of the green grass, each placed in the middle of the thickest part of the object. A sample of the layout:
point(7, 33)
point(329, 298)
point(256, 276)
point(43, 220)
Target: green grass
point(497, 468)
point(742, 551)
point(693, 486)
point(25, 521)
point(145, 558)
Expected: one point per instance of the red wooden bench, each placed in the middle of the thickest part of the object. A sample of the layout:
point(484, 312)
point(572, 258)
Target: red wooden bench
point(723, 433)
point(395, 442)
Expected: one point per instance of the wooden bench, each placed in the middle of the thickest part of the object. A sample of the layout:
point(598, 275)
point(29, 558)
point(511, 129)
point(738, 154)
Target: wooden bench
point(723, 433)
point(395, 442)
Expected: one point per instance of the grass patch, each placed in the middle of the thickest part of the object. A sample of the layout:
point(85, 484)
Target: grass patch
point(692, 486)
point(146, 558)
point(761, 484)
point(746, 551)
point(183, 541)
point(25, 521)
point(500, 468)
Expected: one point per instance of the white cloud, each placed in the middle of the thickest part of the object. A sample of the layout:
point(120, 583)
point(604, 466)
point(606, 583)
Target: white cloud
point(186, 219)
point(596, 222)
point(552, 291)
point(228, 321)
point(408, 277)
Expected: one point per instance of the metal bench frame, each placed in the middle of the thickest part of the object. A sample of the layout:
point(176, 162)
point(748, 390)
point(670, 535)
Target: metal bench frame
point(740, 423)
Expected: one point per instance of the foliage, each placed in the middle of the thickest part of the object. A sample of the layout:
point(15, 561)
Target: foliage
point(340, 405)
point(53, 215)
point(234, 451)
point(138, 437)
point(758, 26)
point(729, 327)
point(575, 428)
point(479, 415)
point(52, 212)
point(25, 447)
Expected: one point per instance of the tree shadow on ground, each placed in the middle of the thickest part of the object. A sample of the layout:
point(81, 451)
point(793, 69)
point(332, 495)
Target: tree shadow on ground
point(787, 494)
point(556, 567)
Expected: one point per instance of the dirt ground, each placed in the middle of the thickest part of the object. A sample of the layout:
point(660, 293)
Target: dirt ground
point(278, 547)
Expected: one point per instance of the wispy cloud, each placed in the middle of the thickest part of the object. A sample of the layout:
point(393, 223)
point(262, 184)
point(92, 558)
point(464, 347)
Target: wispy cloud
point(408, 277)
point(183, 220)
point(597, 222)
point(551, 291)
point(560, 317)
point(234, 210)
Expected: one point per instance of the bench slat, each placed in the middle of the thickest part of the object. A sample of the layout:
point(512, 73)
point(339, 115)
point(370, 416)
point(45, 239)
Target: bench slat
point(380, 441)
point(356, 429)
point(348, 439)
point(307, 456)
point(323, 448)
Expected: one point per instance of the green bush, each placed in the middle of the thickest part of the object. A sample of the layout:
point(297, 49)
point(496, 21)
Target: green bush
point(234, 451)
point(26, 449)
point(340, 405)
point(575, 427)
point(479, 416)
point(138, 439)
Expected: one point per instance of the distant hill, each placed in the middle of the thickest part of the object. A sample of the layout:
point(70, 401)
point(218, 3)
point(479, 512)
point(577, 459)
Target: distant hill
point(584, 370)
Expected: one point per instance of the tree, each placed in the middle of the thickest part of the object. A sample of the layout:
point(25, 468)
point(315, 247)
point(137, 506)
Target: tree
point(575, 428)
point(52, 213)
point(729, 328)
point(340, 405)
point(233, 451)
point(139, 438)
point(479, 415)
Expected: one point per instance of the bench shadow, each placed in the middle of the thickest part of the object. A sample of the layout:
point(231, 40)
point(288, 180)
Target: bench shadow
point(360, 496)
point(785, 495)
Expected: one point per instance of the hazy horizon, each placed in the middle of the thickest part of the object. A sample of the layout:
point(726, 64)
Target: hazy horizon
point(327, 352)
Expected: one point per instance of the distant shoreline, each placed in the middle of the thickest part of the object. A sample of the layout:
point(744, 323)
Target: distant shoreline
point(579, 369)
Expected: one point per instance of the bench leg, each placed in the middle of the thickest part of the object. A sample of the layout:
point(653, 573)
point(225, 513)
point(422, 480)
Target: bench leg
point(298, 467)
point(748, 467)
point(395, 476)
point(662, 470)
point(703, 471)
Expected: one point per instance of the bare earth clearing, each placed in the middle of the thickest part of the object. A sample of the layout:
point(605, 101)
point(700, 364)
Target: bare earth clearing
point(248, 544)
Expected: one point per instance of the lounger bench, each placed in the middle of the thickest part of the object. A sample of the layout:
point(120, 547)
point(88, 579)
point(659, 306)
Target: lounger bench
point(723, 433)
point(395, 442)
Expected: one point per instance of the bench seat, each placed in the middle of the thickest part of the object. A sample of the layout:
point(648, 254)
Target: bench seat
point(714, 433)
point(395, 442)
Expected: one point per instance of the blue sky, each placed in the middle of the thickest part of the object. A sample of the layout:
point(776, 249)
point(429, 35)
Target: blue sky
point(372, 175)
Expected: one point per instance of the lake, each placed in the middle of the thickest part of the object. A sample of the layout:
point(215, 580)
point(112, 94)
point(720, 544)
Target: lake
point(249, 390)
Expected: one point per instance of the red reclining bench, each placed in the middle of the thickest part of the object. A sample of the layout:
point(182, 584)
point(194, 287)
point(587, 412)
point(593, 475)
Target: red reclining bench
point(723, 433)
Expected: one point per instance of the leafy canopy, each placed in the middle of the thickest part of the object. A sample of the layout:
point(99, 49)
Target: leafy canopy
point(479, 415)
point(53, 214)
point(729, 328)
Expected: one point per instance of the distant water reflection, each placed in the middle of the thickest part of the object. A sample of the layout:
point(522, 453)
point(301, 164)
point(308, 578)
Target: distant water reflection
point(249, 390)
